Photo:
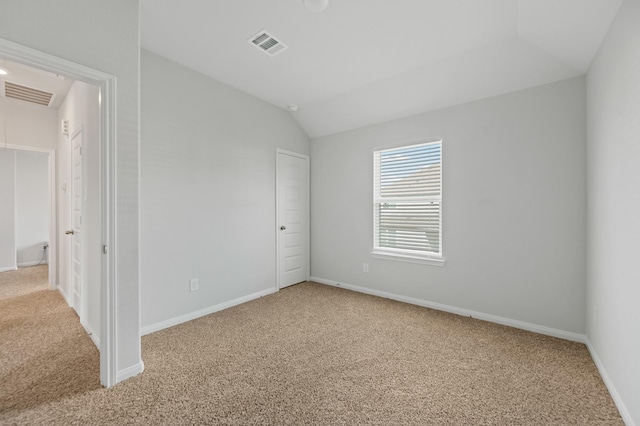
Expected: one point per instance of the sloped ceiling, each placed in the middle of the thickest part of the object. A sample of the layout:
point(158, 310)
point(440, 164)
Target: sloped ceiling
point(362, 62)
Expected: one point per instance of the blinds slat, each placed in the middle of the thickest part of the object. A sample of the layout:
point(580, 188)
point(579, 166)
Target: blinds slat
point(411, 167)
point(409, 193)
point(416, 184)
point(415, 239)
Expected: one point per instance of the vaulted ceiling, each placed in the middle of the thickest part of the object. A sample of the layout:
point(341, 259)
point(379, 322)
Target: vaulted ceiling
point(362, 62)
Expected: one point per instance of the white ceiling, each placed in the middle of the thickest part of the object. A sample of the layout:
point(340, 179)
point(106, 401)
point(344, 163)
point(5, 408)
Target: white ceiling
point(362, 62)
point(35, 79)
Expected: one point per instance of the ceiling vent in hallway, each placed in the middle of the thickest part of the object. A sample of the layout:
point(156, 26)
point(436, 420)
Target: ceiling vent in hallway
point(27, 94)
point(267, 43)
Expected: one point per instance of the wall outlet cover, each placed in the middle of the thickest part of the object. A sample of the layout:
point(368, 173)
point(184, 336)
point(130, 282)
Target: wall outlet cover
point(194, 285)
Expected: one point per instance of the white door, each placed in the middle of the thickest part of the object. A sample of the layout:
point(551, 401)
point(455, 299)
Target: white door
point(292, 181)
point(75, 220)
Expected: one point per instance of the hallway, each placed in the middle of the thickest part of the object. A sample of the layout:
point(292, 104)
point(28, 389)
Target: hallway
point(45, 354)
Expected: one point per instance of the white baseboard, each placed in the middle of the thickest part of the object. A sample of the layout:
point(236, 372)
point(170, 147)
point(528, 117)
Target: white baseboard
point(65, 296)
point(202, 312)
point(622, 408)
point(89, 330)
point(32, 263)
point(129, 372)
point(8, 268)
point(96, 340)
point(568, 335)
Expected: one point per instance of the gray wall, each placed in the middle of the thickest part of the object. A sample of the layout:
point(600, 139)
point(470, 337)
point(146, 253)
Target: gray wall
point(513, 207)
point(103, 35)
point(24, 207)
point(613, 290)
point(32, 206)
point(7, 210)
point(207, 199)
point(28, 125)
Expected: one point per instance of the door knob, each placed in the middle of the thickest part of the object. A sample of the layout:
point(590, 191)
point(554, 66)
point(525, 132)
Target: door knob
point(282, 228)
point(70, 232)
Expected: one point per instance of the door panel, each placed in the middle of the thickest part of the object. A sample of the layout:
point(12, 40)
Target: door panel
point(293, 218)
point(76, 221)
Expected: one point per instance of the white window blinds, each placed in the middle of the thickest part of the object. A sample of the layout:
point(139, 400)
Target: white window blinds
point(407, 197)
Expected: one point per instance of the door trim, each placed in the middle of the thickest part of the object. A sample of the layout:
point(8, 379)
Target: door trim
point(107, 95)
point(278, 221)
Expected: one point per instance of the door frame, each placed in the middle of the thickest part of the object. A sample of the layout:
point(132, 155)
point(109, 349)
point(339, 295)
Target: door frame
point(107, 98)
point(53, 237)
point(280, 151)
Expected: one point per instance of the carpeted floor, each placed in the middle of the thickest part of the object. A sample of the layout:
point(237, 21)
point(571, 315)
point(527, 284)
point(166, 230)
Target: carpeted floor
point(309, 354)
point(23, 281)
point(45, 354)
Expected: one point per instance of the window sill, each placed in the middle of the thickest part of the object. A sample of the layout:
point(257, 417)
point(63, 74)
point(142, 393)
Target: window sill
point(433, 261)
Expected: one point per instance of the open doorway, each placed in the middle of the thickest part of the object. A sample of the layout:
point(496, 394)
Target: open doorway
point(28, 119)
point(27, 213)
point(91, 114)
point(53, 206)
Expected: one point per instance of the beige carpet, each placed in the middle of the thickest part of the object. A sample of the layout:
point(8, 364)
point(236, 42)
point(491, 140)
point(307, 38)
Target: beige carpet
point(45, 354)
point(313, 354)
point(23, 281)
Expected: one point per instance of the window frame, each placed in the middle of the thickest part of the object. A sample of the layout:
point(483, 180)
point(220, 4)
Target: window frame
point(407, 255)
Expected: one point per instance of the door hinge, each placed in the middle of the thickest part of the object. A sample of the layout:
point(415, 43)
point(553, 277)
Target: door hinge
point(104, 249)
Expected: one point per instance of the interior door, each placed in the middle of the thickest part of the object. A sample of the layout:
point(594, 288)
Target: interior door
point(75, 210)
point(292, 180)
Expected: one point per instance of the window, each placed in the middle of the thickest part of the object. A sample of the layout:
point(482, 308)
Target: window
point(407, 198)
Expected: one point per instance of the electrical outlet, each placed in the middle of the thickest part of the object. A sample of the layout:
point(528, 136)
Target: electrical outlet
point(194, 285)
point(365, 267)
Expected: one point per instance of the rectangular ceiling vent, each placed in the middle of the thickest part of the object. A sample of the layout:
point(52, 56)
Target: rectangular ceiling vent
point(27, 94)
point(267, 43)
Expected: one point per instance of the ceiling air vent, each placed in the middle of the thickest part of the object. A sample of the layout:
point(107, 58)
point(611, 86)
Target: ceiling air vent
point(27, 94)
point(267, 43)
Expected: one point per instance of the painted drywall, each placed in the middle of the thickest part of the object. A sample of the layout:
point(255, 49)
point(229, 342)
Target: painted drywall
point(28, 124)
point(613, 154)
point(32, 126)
point(103, 35)
point(208, 155)
point(513, 207)
point(32, 207)
point(506, 66)
point(81, 108)
point(7, 210)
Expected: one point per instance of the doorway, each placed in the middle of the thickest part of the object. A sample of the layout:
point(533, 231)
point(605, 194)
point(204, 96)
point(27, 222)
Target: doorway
point(105, 84)
point(292, 216)
point(33, 225)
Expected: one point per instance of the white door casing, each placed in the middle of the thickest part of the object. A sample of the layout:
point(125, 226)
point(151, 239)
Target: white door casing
point(292, 216)
point(75, 221)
